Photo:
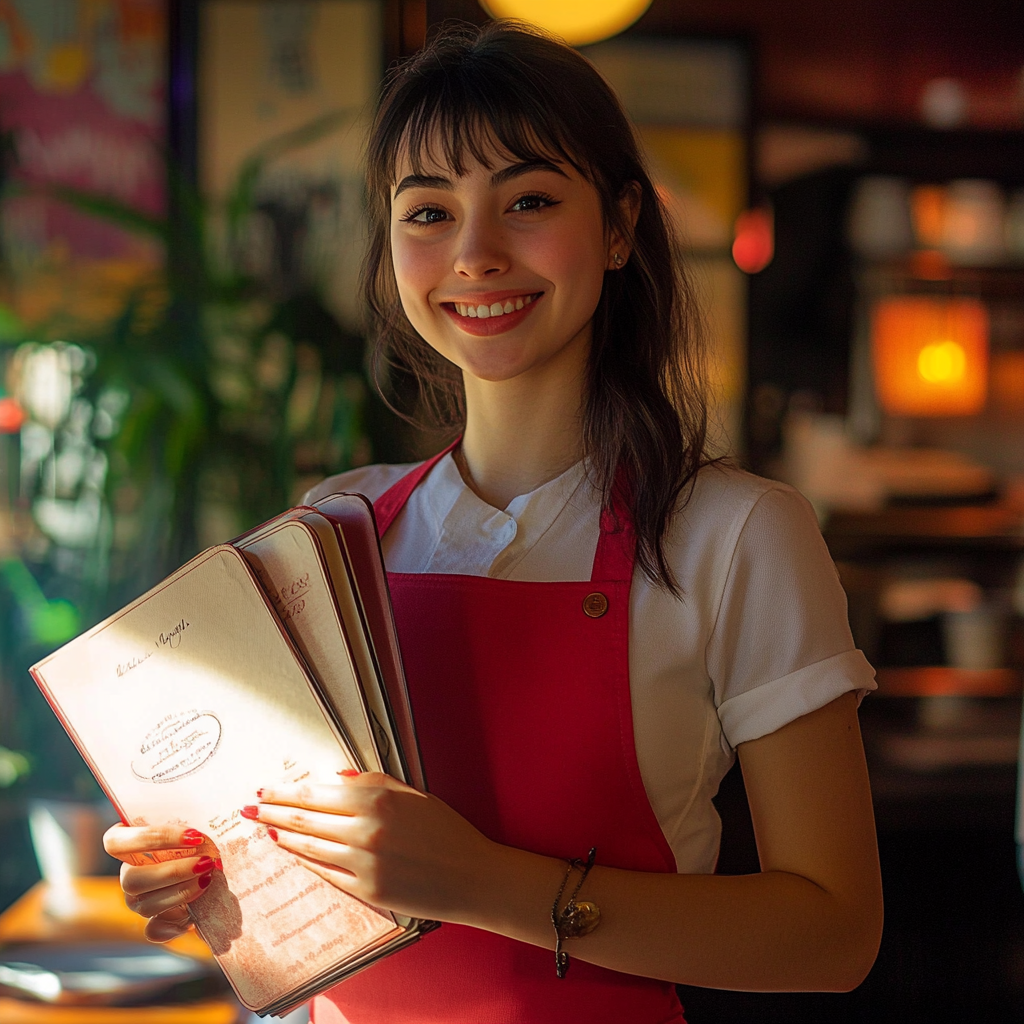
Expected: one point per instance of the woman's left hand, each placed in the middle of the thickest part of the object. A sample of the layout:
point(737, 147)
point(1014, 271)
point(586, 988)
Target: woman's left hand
point(382, 841)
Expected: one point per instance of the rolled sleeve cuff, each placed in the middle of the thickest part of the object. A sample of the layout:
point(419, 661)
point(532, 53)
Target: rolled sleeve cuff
point(768, 707)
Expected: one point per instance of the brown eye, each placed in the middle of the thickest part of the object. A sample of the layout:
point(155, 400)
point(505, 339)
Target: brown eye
point(530, 203)
point(425, 215)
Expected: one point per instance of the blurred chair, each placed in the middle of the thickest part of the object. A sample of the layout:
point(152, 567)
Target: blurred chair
point(71, 952)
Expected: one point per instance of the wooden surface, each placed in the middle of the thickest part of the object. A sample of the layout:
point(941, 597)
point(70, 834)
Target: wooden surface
point(958, 527)
point(940, 681)
point(94, 908)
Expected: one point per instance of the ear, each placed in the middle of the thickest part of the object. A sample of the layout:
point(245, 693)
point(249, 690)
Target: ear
point(620, 245)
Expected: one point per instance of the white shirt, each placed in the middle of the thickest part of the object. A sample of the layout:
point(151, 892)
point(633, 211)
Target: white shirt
point(759, 637)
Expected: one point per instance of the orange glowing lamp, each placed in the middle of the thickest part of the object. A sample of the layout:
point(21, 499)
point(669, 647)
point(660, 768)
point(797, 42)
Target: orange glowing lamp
point(930, 356)
point(11, 416)
point(754, 242)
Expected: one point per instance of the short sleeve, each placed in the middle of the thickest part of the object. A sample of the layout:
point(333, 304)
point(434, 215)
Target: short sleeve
point(781, 645)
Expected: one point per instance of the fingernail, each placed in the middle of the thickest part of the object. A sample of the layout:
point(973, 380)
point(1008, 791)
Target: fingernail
point(272, 832)
point(192, 837)
point(349, 772)
point(259, 794)
point(205, 881)
point(219, 864)
point(203, 866)
point(250, 812)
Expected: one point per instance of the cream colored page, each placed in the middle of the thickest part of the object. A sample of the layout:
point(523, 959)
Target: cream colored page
point(186, 702)
point(347, 598)
point(288, 563)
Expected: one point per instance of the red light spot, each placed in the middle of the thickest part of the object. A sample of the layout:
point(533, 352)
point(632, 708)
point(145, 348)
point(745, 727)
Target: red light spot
point(11, 416)
point(754, 244)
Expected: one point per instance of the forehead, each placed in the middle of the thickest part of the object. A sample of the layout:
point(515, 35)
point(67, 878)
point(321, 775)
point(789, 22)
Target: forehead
point(454, 148)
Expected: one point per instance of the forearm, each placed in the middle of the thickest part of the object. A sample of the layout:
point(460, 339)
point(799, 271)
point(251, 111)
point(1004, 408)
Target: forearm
point(773, 931)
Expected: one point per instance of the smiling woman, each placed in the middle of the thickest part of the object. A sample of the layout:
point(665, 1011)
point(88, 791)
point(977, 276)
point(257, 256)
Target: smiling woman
point(594, 618)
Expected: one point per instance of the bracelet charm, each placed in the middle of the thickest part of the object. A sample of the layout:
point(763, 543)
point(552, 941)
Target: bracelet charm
point(575, 919)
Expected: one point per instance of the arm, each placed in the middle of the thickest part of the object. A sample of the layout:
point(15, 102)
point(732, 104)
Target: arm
point(811, 920)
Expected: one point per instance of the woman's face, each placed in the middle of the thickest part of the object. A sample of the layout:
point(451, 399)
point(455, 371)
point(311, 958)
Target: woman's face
point(500, 269)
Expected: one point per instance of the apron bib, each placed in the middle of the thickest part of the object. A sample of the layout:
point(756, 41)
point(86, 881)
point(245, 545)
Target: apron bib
point(520, 693)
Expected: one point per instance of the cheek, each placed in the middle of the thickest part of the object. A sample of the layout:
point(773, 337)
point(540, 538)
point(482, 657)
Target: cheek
point(416, 270)
point(574, 258)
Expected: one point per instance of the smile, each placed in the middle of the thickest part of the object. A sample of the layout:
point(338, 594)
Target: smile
point(495, 309)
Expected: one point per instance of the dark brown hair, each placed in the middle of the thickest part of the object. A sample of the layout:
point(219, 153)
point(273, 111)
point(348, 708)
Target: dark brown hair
point(510, 87)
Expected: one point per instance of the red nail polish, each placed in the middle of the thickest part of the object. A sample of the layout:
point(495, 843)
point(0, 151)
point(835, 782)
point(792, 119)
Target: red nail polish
point(272, 832)
point(259, 794)
point(192, 837)
point(349, 772)
point(219, 864)
point(203, 866)
point(205, 881)
point(251, 812)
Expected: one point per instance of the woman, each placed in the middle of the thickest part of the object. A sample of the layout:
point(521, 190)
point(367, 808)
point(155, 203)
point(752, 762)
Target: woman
point(595, 618)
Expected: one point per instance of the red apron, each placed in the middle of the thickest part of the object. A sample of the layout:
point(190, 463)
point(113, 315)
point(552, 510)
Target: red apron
point(520, 693)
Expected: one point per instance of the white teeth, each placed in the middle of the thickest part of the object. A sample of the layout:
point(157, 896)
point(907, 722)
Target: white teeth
point(494, 309)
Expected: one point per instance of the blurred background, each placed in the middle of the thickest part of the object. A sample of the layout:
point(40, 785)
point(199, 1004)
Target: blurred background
point(182, 352)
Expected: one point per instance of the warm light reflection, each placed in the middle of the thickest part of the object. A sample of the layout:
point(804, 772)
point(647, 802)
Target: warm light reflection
point(930, 356)
point(577, 21)
point(942, 363)
point(12, 416)
point(754, 243)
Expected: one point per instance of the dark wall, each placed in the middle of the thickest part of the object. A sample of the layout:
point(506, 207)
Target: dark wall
point(845, 60)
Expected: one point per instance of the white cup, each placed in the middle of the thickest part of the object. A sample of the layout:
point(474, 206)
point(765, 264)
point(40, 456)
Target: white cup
point(880, 223)
point(974, 228)
point(975, 639)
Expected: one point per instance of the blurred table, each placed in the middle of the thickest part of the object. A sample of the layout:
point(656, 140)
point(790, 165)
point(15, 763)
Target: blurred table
point(94, 909)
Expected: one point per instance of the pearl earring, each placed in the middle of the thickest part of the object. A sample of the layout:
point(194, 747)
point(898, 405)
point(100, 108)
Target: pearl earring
point(617, 259)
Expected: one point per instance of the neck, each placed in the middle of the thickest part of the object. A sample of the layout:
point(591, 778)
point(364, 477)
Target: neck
point(523, 432)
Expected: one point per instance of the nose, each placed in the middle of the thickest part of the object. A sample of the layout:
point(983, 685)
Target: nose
point(481, 253)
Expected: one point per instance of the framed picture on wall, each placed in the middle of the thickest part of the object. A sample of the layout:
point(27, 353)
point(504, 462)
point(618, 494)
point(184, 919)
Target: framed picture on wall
point(82, 106)
point(284, 94)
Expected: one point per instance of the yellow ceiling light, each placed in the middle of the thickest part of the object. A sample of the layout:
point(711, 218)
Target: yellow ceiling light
point(577, 21)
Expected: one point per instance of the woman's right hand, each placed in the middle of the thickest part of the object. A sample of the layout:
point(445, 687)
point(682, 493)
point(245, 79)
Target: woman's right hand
point(160, 890)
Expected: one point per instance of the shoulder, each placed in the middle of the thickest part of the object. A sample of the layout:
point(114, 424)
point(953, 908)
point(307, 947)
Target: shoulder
point(723, 502)
point(372, 481)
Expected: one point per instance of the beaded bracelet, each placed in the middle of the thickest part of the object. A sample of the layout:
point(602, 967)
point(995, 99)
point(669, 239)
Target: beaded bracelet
point(575, 919)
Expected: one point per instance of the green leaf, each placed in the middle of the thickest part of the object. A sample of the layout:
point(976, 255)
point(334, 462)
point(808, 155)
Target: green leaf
point(104, 207)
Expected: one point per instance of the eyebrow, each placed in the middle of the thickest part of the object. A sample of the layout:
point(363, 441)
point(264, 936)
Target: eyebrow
point(501, 177)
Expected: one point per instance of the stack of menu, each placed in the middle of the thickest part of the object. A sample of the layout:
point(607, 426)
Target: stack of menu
point(271, 659)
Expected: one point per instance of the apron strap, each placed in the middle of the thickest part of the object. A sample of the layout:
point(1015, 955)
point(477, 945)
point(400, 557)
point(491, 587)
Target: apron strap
point(616, 546)
point(392, 501)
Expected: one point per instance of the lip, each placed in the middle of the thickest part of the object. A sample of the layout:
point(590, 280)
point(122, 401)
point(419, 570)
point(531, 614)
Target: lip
point(486, 326)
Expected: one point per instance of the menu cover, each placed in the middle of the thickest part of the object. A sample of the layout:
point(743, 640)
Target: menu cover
point(182, 704)
point(353, 519)
point(290, 562)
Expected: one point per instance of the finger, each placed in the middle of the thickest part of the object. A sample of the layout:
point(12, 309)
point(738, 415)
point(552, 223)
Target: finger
point(138, 880)
point(168, 925)
point(338, 877)
point(158, 901)
point(130, 842)
point(334, 855)
point(340, 798)
point(335, 827)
